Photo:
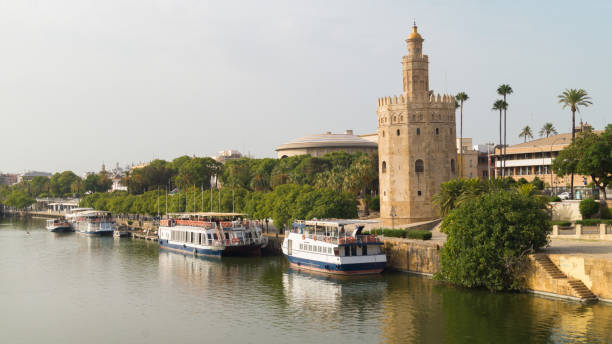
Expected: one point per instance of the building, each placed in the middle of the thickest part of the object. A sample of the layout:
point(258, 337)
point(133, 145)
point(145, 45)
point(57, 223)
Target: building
point(31, 174)
point(226, 155)
point(485, 166)
point(321, 144)
point(475, 159)
point(533, 159)
point(416, 143)
point(8, 179)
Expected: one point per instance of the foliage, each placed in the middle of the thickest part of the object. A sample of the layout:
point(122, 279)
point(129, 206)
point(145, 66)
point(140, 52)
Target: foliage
point(97, 182)
point(18, 199)
point(489, 237)
point(418, 234)
point(60, 184)
point(590, 222)
point(548, 129)
point(590, 154)
point(375, 203)
point(522, 181)
point(588, 207)
point(158, 172)
point(526, 133)
point(574, 98)
point(538, 183)
point(555, 199)
point(560, 223)
point(457, 191)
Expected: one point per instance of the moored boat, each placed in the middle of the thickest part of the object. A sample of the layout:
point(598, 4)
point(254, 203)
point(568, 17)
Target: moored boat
point(58, 225)
point(94, 222)
point(211, 234)
point(333, 247)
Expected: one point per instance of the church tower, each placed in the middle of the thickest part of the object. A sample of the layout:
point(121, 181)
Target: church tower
point(416, 143)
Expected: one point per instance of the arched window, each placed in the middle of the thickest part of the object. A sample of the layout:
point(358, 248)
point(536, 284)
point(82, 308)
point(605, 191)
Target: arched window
point(418, 131)
point(398, 132)
point(394, 118)
point(418, 166)
point(384, 167)
point(383, 133)
point(452, 165)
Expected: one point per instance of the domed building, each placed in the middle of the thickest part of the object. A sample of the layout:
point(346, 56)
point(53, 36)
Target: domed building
point(320, 144)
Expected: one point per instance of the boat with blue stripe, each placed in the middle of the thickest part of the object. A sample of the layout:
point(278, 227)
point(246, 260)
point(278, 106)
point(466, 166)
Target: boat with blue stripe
point(211, 234)
point(94, 222)
point(334, 247)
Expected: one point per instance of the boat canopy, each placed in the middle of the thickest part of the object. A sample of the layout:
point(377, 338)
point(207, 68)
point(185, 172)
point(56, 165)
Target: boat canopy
point(207, 214)
point(93, 213)
point(335, 223)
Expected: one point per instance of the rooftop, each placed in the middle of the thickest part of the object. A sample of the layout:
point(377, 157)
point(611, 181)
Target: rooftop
point(348, 139)
point(551, 143)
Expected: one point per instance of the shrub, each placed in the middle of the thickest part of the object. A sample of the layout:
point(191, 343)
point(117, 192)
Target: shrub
point(588, 208)
point(589, 222)
point(606, 213)
point(522, 181)
point(537, 183)
point(395, 233)
point(561, 223)
point(375, 203)
point(489, 238)
point(555, 199)
point(418, 234)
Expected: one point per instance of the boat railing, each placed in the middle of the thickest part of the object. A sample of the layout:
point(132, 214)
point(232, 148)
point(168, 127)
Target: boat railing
point(359, 239)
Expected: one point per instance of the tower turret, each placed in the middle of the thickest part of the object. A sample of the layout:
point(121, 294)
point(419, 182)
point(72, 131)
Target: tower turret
point(415, 68)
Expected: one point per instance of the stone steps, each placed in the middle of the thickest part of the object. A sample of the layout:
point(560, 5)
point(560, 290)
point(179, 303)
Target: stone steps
point(581, 290)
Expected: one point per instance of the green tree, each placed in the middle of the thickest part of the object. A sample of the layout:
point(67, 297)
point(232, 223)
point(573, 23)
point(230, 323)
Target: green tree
point(60, 183)
point(588, 207)
point(526, 133)
point(590, 154)
point(489, 238)
point(500, 106)
point(548, 129)
point(39, 185)
point(19, 199)
point(461, 97)
point(574, 99)
point(197, 171)
point(505, 90)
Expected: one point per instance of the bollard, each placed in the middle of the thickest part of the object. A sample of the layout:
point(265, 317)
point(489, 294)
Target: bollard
point(555, 231)
point(578, 230)
point(602, 231)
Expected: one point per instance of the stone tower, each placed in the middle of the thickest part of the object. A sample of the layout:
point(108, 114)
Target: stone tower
point(416, 143)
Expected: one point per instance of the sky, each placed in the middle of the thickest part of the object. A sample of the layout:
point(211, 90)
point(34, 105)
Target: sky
point(126, 81)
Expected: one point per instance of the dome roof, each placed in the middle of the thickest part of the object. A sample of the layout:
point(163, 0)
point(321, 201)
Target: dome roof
point(328, 140)
point(414, 34)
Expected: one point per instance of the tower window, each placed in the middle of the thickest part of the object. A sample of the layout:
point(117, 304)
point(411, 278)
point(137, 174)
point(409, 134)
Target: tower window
point(398, 132)
point(384, 167)
point(419, 192)
point(419, 166)
point(418, 131)
point(452, 165)
point(383, 133)
point(437, 131)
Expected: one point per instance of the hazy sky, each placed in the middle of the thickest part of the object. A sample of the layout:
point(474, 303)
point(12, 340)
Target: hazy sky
point(86, 82)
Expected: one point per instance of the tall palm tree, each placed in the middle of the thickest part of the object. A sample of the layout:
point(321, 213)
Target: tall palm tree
point(526, 133)
point(574, 98)
point(547, 129)
point(461, 97)
point(500, 105)
point(504, 90)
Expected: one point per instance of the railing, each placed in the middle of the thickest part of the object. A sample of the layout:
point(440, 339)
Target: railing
point(359, 239)
point(602, 232)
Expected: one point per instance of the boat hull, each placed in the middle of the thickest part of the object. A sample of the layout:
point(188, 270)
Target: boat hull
point(60, 229)
point(96, 233)
point(336, 269)
point(222, 251)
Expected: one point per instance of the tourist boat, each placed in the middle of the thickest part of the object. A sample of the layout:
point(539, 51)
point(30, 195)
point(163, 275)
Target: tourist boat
point(334, 247)
point(94, 222)
point(58, 225)
point(72, 214)
point(211, 234)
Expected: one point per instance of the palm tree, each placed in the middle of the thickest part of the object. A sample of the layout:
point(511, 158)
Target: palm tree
point(500, 105)
point(526, 133)
point(461, 97)
point(547, 129)
point(504, 90)
point(574, 98)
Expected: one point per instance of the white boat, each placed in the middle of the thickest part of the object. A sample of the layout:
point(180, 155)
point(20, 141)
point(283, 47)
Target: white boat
point(58, 225)
point(211, 234)
point(333, 247)
point(94, 222)
point(72, 214)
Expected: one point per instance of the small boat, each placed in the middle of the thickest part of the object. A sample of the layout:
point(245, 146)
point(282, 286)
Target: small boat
point(94, 222)
point(119, 233)
point(334, 247)
point(58, 225)
point(211, 234)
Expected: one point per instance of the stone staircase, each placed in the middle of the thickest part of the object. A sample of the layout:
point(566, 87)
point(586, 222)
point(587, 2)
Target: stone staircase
point(579, 290)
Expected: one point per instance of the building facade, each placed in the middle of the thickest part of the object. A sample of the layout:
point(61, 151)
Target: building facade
point(320, 144)
point(416, 143)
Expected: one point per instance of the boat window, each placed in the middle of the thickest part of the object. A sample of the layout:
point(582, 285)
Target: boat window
point(347, 251)
point(309, 247)
point(329, 250)
point(364, 250)
point(319, 248)
point(226, 236)
point(216, 236)
point(301, 246)
point(208, 236)
point(353, 250)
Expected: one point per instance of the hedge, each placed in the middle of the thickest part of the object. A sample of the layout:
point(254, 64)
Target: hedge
point(418, 234)
point(403, 233)
point(593, 222)
point(561, 223)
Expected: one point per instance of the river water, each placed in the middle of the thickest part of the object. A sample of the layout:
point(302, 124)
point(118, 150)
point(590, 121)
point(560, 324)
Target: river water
point(68, 288)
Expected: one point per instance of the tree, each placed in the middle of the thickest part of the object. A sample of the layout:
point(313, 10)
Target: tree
point(489, 238)
point(574, 98)
point(461, 97)
point(505, 90)
point(197, 171)
point(590, 154)
point(39, 185)
point(526, 133)
point(19, 199)
point(60, 183)
point(500, 105)
point(548, 129)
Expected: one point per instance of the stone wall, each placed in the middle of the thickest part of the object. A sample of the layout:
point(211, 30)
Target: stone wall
point(415, 256)
point(594, 272)
point(565, 211)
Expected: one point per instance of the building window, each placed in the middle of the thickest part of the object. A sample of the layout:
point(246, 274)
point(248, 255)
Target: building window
point(418, 166)
point(383, 133)
point(419, 192)
point(418, 131)
point(470, 162)
point(437, 131)
point(398, 132)
point(452, 165)
point(384, 167)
